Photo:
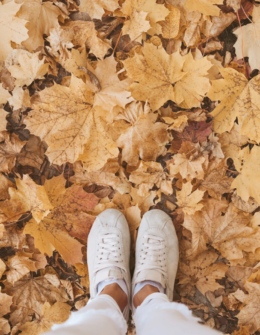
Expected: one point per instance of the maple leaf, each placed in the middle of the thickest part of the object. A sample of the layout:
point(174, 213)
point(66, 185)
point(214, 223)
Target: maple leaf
point(171, 24)
point(41, 17)
point(4, 327)
point(194, 132)
point(10, 147)
point(33, 292)
point(18, 267)
point(25, 67)
point(156, 72)
point(4, 95)
point(63, 110)
point(27, 197)
point(188, 168)
point(193, 86)
point(2, 264)
point(149, 174)
point(5, 303)
point(230, 234)
point(12, 28)
point(136, 25)
point(60, 43)
point(111, 91)
point(250, 314)
point(82, 270)
point(58, 313)
point(155, 12)
point(187, 200)
point(83, 34)
point(12, 237)
point(231, 143)
point(20, 98)
point(247, 182)
point(239, 99)
point(96, 8)
point(206, 7)
point(202, 272)
point(249, 33)
point(144, 137)
point(69, 218)
point(216, 182)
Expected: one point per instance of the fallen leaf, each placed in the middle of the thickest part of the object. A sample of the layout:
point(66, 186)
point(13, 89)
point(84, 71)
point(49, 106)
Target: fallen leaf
point(18, 267)
point(20, 98)
point(144, 137)
point(41, 17)
point(12, 28)
point(136, 25)
point(33, 292)
point(206, 7)
point(10, 147)
point(25, 66)
point(202, 272)
point(171, 24)
point(188, 168)
point(96, 8)
point(187, 200)
point(58, 313)
point(4, 96)
point(5, 303)
point(156, 72)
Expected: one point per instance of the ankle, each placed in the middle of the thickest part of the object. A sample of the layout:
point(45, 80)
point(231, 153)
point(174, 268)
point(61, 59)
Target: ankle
point(115, 292)
point(144, 293)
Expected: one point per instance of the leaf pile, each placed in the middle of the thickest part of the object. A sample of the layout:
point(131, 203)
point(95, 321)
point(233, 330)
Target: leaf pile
point(133, 105)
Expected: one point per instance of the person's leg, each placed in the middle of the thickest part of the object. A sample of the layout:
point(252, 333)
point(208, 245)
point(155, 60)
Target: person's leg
point(157, 256)
point(108, 263)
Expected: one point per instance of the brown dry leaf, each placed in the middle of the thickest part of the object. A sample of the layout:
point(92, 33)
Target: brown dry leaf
point(41, 17)
point(229, 234)
point(238, 100)
point(193, 86)
point(144, 137)
point(4, 96)
point(156, 72)
point(96, 8)
point(249, 33)
point(249, 316)
point(246, 206)
point(60, 43)
point(212, 147)
point(188, 168)
point(12, 237)
point(216, 182)
point(12, 28)
point(247, 182)
point(109, 91)
point(5, 183)
point(231, 143)
point(83, 33)
point(5, 303)
point(206, 7)
point(2, 264)
point(188, 201)
point(20, 98)
point(150, 174)
point(136, 25)
point(27, 197)
point(4, 327)
point(156, 12)
point(18, 267)
point(63, 110)
point(171, 25)
point(25, 66)
point(33, 292)
point(202, 272)
point(10, 147)
point(58, 313)
point(82, 270)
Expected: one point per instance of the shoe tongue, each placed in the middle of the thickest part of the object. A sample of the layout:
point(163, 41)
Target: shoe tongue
point(152, 275)
point(108, 274)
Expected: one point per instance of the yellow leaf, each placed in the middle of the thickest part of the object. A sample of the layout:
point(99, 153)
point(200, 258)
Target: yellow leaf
point(188, 201)
point(171, 25)
point(95, 8)
point(206, 7)
point(12, 28)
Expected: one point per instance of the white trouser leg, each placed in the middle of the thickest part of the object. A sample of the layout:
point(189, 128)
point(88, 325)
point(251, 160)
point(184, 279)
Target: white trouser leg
point(102, 315)
point(157, 315)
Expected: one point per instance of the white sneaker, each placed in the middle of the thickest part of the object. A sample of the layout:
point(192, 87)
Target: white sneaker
point(157, 251)
point(108, 251)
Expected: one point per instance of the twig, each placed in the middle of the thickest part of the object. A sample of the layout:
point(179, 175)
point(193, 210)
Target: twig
point(119, 37)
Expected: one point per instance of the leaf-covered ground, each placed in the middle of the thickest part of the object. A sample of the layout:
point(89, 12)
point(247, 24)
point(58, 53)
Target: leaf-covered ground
point(134, 105)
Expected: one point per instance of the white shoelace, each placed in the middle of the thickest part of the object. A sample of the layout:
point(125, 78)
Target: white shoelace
point(109, 250)
point(153, 254)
